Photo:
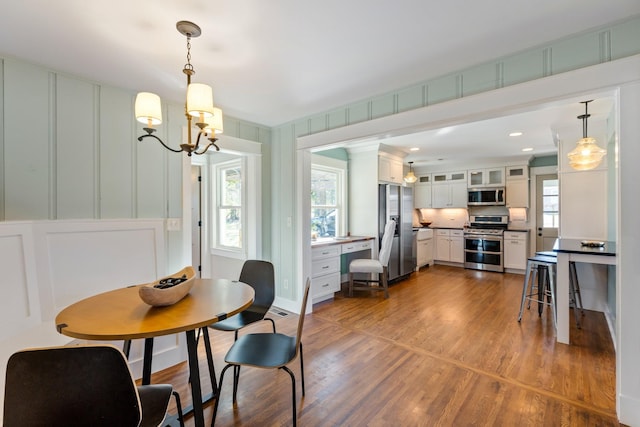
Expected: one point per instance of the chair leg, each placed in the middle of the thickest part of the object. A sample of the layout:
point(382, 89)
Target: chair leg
point(350, 284)
point(302, 369)
point(272, 324)
point(293, 392)
point(215, 407)
point(385, 285)
point(179, 408)
point(236, 380)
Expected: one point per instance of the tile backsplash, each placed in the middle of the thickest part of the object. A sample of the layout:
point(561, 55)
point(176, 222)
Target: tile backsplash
point(450, 218)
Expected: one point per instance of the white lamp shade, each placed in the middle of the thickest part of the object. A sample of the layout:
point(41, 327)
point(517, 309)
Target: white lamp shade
point(587, 155)
point(215, 123)
point(148, 108)
point(200, 100)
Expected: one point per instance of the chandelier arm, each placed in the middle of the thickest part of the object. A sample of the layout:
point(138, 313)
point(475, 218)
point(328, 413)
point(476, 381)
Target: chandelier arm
point(140, 138)
point(204, 150)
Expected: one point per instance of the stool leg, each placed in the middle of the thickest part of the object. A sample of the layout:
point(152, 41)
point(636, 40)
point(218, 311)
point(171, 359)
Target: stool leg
point(524, 290)
point(534, 284)
point(552, 285)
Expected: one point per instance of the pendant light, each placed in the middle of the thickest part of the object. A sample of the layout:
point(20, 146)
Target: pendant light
point(587, 155)
point(410, 178)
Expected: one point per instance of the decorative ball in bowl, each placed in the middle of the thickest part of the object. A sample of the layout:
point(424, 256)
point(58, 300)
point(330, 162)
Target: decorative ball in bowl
point(168, 290)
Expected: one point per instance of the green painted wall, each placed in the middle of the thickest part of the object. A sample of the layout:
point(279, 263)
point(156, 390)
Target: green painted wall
point(544, 161)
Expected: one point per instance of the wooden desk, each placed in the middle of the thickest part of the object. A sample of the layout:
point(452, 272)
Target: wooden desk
point(571, 250)
point(122, 315)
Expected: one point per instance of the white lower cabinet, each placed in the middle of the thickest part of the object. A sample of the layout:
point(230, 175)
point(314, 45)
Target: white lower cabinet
point(325, 266)
point(325, 272)
point(449, 245)
point(516, 250)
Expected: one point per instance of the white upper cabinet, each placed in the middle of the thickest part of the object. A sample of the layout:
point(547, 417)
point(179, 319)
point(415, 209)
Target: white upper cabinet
point(422, 191)
point(517, 173)
point(389, 169)
point(493, 177)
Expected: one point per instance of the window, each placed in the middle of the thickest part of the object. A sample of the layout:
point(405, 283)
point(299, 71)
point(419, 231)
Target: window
point(229, 202)
point(550, 216)
point(327, 194)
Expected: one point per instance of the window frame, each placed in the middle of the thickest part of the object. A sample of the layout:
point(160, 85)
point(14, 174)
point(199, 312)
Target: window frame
point(340, 168)
point(216, 246)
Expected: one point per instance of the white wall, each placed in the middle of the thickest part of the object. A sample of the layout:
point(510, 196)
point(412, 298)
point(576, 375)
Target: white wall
point(48, 265)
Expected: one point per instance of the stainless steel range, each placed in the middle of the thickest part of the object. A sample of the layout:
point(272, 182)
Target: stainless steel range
point(483, 242)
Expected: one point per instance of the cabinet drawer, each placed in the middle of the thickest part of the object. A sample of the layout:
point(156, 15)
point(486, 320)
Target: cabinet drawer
point(515, 235)
point(442, 232)
point(325, 285)
point(325, 266)
point(325, 252)
point(457, 233)
point(357, 246)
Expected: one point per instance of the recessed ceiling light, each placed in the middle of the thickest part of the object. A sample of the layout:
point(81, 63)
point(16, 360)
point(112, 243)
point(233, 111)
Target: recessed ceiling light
point(515, 134)
point(527, 149)
point(414, 149)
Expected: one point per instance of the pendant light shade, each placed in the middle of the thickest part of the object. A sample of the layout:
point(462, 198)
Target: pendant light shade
point(587, 154)
point(410, 177)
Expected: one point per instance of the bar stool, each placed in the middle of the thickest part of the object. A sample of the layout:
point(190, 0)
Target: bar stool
point(575, 298)
point(542, 290)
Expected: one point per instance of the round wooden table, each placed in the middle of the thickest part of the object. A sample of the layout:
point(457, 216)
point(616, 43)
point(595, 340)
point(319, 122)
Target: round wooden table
point(121, 315)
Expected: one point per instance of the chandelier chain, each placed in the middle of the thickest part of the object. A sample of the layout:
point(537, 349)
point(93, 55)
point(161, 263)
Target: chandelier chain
point(188, 65)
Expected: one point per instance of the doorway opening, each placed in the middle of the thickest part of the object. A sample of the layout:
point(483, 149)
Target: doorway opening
point(548, 213)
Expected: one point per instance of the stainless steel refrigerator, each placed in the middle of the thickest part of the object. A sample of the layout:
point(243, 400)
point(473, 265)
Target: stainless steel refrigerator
point(396, 202)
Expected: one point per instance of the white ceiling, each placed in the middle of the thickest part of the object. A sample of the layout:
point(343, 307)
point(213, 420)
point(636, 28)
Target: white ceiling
point(275, 61)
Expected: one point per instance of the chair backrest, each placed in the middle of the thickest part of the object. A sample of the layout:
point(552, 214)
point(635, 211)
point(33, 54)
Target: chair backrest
point(387, 239)
point(70, 386)
point(303, 311)
point(260, 276)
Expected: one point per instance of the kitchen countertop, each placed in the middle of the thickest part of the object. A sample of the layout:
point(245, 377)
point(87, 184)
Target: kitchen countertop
point(574, 246)
point(327, 241)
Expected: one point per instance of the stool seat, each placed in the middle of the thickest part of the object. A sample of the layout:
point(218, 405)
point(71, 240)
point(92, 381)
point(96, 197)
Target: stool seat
point(548, 253)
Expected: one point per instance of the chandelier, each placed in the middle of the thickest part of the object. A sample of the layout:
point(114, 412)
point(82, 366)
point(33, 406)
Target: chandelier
point(198, 106)
point(587, 154)
point(410, 177)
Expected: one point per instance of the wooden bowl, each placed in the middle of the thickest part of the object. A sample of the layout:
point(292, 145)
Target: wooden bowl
point(159, 297)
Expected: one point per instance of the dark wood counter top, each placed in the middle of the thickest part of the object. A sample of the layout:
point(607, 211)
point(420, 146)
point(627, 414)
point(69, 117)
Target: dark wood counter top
point(574, 246)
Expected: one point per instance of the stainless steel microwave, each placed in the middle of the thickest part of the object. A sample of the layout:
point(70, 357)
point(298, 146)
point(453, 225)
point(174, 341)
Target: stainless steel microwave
point(486, 196)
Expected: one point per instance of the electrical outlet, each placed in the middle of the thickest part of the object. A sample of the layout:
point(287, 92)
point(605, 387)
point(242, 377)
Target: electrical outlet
point(174, 224)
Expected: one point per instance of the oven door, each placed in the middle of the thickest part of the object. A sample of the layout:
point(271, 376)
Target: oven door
point(483, 252)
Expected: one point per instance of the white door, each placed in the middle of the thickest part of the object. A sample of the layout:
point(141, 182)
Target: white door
point(548, 215)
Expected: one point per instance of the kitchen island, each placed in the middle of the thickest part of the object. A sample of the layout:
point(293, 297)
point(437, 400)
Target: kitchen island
point(573, 250)
point(330, 257)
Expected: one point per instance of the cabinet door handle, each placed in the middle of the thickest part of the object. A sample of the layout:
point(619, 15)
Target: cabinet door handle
point(326, 285)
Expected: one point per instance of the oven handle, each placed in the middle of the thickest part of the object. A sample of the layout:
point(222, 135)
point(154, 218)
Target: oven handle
point(483, 237)
point(482, 252)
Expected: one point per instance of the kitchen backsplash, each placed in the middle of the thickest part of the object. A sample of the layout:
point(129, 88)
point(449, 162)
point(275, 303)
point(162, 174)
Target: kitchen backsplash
point(444, 218)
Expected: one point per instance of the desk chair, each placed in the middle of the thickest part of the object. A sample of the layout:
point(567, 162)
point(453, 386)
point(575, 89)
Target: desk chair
point(89, 385)
point(267, 351)
point(377, 266)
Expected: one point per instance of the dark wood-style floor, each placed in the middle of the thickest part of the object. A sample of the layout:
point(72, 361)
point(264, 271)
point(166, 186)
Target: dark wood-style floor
point(444, 350)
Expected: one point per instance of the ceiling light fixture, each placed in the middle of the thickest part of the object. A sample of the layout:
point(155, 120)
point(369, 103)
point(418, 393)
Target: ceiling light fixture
point(587, 155)
point(198, 105)
point(515, 134)
point(527, 149)
point(410, 177)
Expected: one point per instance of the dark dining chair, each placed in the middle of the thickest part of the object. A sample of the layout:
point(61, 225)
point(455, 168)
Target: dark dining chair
point(261, 277)
point(267, 351)
point(88, 385)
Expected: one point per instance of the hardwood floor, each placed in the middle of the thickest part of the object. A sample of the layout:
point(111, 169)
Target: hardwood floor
point(445, 349)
